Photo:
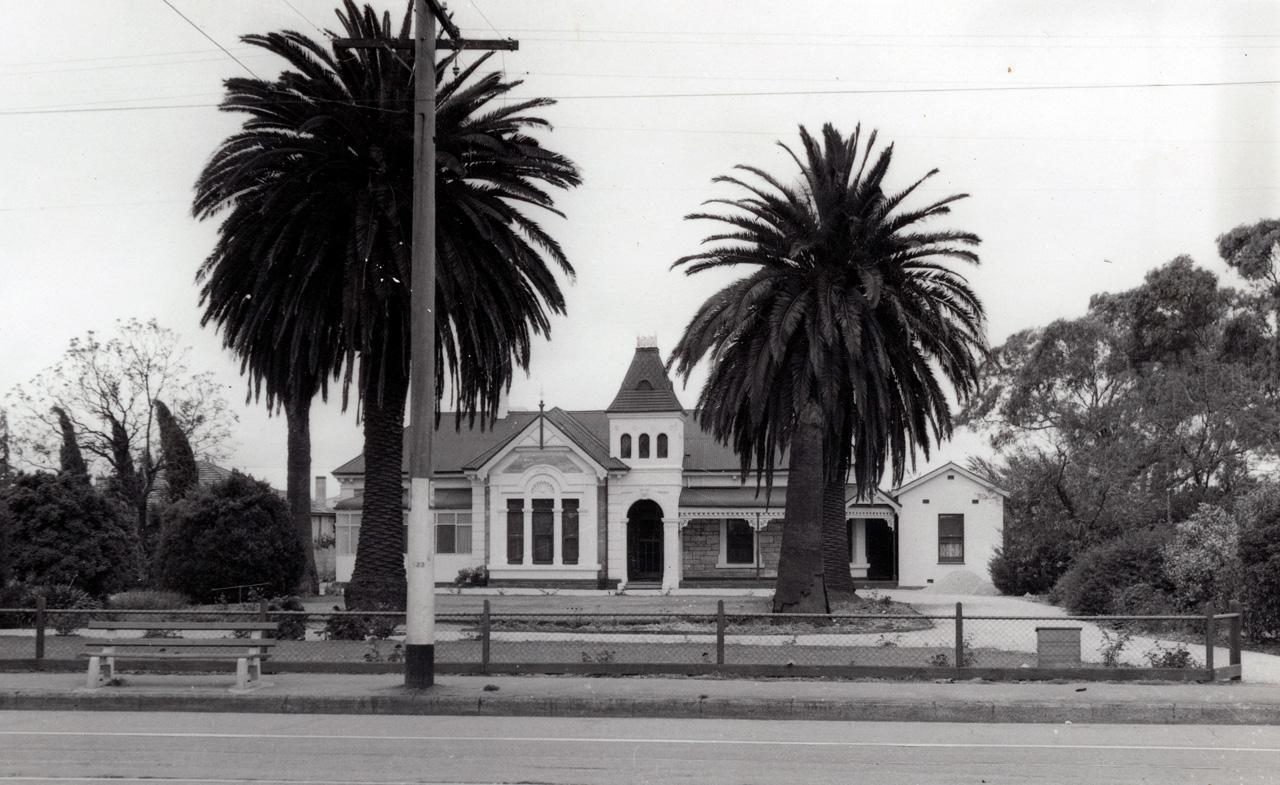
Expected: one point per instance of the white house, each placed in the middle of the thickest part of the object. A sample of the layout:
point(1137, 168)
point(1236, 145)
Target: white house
point(638, 495)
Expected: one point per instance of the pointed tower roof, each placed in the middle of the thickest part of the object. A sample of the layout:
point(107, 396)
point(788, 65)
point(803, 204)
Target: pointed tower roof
point(646, 387)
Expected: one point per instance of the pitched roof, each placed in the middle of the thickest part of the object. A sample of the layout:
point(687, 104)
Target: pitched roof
point(454, 450)
point(646, 387)
point(955, 468)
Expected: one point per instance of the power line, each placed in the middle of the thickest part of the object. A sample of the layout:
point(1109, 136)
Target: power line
point(734, 94)
point(935, 90)
point(307, 19)
point(200, 30)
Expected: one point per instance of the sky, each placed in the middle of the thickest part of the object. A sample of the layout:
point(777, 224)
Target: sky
point(1097, 140)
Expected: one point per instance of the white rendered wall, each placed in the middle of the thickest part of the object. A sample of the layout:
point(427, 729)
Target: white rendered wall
point(918, 528)
point(658, 479)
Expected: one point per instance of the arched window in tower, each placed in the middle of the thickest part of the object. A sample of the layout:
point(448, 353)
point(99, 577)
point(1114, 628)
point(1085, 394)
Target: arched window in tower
point(644, 445)
point(662, 445)
point(644, 384)
point(624, 449)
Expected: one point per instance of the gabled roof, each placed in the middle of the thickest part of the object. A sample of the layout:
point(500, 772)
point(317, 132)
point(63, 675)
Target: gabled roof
point(951, 467)
point(454, 451)
point(646, 387)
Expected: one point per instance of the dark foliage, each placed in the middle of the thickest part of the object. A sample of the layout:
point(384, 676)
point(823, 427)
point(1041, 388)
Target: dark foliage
point(1030, 565)
point(180, 470)
point(63, 532)
point(1090, 587)
point(70, 460)
point(236, 532)
point(1259, 515)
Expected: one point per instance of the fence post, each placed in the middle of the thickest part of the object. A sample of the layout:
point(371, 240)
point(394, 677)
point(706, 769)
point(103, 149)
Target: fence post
point(959, 635)
point(262, 610)
point(1210, 634)
point(40, 625)
point(720, 632)
point(484, 638)
point(1237, 630)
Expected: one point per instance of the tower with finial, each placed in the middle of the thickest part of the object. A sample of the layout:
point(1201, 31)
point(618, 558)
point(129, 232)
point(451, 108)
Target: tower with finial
point(646, 420)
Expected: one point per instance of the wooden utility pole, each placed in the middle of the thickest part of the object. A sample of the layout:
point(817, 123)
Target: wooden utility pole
point(419, 649)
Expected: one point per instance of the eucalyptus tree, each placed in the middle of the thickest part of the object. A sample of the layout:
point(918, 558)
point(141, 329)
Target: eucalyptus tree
point(834, 345)
point(323, 167)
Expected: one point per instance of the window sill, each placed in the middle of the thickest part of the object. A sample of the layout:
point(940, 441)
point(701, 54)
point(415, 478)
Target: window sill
point(951, 562)
point(722, 565)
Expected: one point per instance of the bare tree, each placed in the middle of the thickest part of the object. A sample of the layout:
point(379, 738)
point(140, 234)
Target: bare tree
point(107, 388)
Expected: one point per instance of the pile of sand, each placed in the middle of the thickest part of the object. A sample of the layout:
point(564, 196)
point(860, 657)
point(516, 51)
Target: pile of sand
point(963, 582)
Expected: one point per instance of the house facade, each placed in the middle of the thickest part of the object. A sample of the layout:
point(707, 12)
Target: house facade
point(638, 495)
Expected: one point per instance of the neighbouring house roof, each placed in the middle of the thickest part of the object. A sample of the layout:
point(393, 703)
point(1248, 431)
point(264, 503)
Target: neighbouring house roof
point(748, 498)
point(951, 467)
point(207, 473)
point(322, 506)
point(646, 386)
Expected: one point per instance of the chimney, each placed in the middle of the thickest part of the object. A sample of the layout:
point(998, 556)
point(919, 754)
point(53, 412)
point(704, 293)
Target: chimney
point(320, 490)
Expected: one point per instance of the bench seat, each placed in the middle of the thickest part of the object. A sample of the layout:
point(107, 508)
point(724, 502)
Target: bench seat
point(248, 653)
point(177, 643)
point(248, 626)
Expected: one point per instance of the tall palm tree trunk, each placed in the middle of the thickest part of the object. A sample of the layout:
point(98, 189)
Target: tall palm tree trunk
point(297, 414)
point(378, 579)
point(800, 586)
point(835, 539)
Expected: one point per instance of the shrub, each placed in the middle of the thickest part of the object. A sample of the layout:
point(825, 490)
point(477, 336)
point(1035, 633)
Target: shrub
point(236, 532)
point(358, 628)
point(17, 595)
point(289, 628)
point(1259, 516)
point(63, 532)
point(1029, 566)
point(472, 576)
point(146, 600)
point(67, 598)
point(1203, 558)
point(1090, 586)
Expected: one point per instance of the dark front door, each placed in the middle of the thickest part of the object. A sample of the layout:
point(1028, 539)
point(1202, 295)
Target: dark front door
point(880, 550)
point(644, 549)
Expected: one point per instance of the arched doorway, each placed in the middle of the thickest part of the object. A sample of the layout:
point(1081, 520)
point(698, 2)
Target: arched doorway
point(644, 541)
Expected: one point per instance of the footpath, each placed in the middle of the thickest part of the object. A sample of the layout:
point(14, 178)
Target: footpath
point(709, 698)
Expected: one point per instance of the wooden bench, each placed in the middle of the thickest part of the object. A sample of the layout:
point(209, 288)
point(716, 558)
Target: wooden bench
point(247, 652)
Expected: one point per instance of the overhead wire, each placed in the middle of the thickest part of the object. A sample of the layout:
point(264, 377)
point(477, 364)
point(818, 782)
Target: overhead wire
point(211, 39)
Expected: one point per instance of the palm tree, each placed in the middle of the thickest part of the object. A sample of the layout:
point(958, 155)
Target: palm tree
point(323, 172)
point(829, 347)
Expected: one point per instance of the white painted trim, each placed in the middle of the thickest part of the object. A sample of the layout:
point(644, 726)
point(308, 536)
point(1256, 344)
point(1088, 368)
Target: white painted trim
point(722, 561)
point(949, 466)
point(483, 471)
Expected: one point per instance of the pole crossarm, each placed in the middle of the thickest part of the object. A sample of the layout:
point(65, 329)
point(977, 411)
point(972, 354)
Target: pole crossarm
point(507, 44)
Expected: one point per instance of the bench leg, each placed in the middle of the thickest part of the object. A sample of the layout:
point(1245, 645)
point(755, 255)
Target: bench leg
point(102, 668)
point(242, 673)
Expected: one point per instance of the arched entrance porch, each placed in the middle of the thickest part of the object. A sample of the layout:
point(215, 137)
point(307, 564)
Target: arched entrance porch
point(644, 542)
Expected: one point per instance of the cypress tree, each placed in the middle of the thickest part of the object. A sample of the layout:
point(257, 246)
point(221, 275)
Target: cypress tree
point(179, 461)
point(70, 460)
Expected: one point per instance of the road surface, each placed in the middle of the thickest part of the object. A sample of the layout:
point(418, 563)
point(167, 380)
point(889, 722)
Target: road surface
point(127, 747)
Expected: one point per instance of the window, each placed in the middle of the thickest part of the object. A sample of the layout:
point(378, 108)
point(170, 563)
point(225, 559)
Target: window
point(739, 542)
point(453, 532)
point(347, 536)
point(569, 531)
point(544, 538)
point(662, 445)
point(624, 449)
point(644, 445)
point(515, 531)
point(950, 539)
point(644, 385)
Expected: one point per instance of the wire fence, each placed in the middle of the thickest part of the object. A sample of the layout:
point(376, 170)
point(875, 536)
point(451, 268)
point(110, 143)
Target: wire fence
point(1182, 648)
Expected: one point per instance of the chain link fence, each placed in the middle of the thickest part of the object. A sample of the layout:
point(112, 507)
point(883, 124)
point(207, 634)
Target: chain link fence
point(1186, 648)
